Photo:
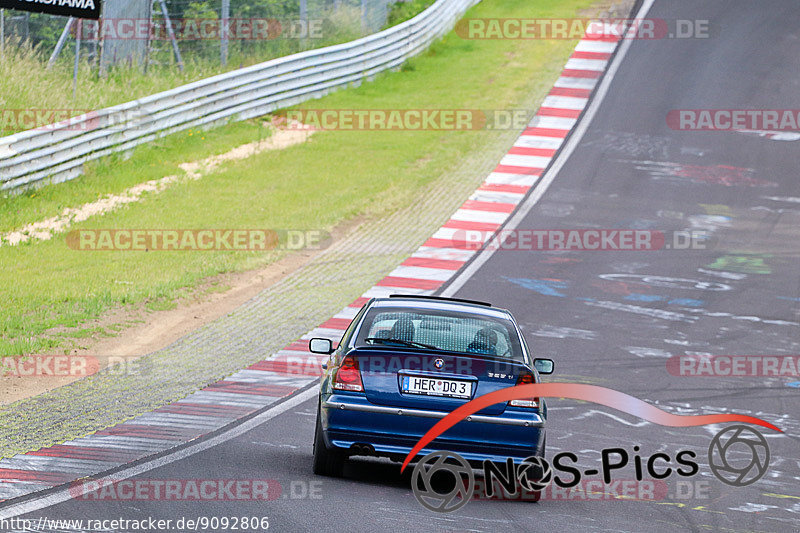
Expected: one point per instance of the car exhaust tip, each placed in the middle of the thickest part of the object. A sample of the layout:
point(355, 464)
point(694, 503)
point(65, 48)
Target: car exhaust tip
point(362, 449)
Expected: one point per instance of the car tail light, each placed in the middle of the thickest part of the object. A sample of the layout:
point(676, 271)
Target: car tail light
point(348, 376)
point(533, 403)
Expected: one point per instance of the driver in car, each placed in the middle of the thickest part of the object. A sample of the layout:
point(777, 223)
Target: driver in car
point(485, 342)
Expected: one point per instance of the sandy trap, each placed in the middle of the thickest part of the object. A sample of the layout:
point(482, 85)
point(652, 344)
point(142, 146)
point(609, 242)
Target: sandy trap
point(45, 229)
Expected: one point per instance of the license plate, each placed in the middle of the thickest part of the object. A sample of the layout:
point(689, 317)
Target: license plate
point(436, 387)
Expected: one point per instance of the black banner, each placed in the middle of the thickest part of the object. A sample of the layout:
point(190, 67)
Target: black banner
point(83, 9)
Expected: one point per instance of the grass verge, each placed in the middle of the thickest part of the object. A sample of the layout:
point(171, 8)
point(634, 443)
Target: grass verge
point(48, 290)
point(27, 83)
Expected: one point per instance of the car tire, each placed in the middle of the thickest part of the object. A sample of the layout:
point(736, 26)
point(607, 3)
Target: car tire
point(327, 462)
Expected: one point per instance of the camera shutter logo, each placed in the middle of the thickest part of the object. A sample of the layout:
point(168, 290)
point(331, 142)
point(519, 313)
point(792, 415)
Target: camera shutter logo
point(739, 455)
point(458, 483)
point(535, 474)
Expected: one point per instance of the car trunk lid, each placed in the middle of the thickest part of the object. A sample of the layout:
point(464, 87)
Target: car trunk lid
point(435, 380)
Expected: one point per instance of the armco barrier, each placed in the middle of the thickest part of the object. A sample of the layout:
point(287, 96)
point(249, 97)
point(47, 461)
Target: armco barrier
point(56, 153)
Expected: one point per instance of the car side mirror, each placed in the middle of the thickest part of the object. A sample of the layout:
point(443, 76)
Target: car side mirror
point(544, 366)
point(323, 346)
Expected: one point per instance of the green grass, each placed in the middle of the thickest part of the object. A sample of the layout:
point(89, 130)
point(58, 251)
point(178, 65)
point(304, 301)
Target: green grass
point(403, 11)
point(115, 173)
point(26, 82)
point(331, 178)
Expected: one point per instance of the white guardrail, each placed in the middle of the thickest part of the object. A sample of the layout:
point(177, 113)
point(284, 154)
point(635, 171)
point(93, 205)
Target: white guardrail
point(57, 153)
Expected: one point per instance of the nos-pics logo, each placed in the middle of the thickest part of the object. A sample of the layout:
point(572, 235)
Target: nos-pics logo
point(444, 481)
point(738, 455)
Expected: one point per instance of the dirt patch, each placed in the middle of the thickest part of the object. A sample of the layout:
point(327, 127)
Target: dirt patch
point(608, 9)
point(280, 139)
point(45, 229)
point(144, 331)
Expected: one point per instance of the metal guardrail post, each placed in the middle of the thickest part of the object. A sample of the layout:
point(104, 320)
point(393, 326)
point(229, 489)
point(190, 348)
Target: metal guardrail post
point(77, 58)
point(171, 34)
point(225, 15)
point(364, 21)
point(304, 21)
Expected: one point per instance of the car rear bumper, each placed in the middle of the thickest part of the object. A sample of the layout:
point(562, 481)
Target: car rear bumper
point(349, 420)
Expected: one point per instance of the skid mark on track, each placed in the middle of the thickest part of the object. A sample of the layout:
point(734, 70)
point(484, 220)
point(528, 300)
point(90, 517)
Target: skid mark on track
point(558, 332)
point(646, 311)
point(634, 144)
point(709, 223)
point(726, 175)
point(687, 308)
point(628, 268)
point(668, 282)
point(722, 314)
point(593, 412)
point(556, 210)
point(790, 199)
point(688, 344)
point(773, 135)
point(724, 275)
point(641, 351)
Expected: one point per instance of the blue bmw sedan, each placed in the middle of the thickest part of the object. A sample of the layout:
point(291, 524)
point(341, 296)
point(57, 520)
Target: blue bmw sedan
point(407, 361)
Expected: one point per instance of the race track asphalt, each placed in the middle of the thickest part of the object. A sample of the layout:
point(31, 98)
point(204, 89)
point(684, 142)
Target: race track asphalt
point(610, 318)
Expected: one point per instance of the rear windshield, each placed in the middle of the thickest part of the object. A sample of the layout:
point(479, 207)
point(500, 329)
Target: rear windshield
point(440, 330)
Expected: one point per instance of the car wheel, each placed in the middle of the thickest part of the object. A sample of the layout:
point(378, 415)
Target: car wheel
point(327, 462)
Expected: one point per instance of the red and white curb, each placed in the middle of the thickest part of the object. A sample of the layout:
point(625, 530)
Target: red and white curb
point(293, 367)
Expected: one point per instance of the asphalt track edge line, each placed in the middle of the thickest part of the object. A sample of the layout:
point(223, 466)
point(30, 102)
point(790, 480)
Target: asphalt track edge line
point(235, 429)
point(566, 152)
